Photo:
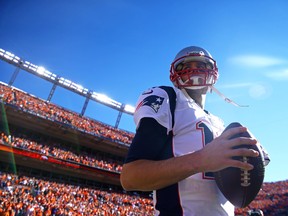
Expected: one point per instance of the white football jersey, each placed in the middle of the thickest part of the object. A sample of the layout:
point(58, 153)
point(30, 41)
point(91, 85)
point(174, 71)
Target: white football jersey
point(193, 129)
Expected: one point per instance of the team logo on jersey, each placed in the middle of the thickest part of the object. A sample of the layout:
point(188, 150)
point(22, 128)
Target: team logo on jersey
point(153, 101)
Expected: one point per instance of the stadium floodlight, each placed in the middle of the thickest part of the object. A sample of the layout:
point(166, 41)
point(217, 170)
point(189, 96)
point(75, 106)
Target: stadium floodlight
point(32, 67)
point(106, 100)
point(40, 70)
point(85, 91)
point(130, 109)
point(26, 64)
point(65, 83)
point(103, 98)
point(8, 55)
point(77, 87)
point(16, 59)
point(49, 75)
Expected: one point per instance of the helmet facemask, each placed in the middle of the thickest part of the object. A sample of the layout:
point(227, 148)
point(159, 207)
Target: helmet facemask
point(194, 78)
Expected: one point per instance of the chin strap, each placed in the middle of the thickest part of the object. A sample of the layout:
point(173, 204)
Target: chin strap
point(226, 99)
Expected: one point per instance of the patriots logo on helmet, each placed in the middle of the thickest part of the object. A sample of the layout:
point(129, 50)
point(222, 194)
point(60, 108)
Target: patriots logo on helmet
point(152, 101)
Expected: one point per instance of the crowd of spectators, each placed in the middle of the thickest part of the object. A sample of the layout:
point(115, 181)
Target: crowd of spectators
point(45, 109)
point(48, 147)
point(30, 196)
point(23, 195)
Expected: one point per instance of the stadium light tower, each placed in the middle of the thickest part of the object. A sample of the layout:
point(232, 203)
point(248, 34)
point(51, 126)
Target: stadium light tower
point(56, 80)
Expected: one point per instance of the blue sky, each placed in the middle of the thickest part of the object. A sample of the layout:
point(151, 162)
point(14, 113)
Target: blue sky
point(122, 47)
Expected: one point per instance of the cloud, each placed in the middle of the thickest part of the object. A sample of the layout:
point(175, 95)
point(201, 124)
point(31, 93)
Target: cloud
point(260, 91)
point(279, 75)
point(255, 90)
point(256, 61)
point(236, 85)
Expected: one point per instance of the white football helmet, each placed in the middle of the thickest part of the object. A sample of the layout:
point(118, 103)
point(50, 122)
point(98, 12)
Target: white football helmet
point(193, 78)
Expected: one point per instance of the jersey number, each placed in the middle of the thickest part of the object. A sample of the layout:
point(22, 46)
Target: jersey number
point(207, 137)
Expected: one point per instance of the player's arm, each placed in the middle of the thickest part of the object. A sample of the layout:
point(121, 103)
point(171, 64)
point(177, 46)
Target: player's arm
point(146, 174)
point(143, 170)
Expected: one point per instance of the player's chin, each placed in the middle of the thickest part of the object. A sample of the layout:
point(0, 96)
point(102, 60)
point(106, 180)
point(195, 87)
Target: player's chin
point(197, 90)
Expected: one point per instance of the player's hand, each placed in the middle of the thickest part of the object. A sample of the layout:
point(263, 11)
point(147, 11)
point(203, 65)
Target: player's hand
point(217, 155)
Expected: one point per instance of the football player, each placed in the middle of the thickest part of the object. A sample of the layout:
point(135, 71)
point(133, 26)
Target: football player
point(174, 152)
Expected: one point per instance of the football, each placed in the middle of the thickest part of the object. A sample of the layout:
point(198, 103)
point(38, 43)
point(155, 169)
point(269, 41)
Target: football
point(239, 186)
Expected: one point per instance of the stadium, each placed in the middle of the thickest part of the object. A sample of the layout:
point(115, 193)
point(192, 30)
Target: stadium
point(55, 161)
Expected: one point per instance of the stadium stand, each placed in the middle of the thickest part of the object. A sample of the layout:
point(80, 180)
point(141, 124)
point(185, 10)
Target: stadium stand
point(56, 162)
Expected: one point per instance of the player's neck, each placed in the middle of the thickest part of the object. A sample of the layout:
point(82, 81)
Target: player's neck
point(197, 96)
point(200, 101)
